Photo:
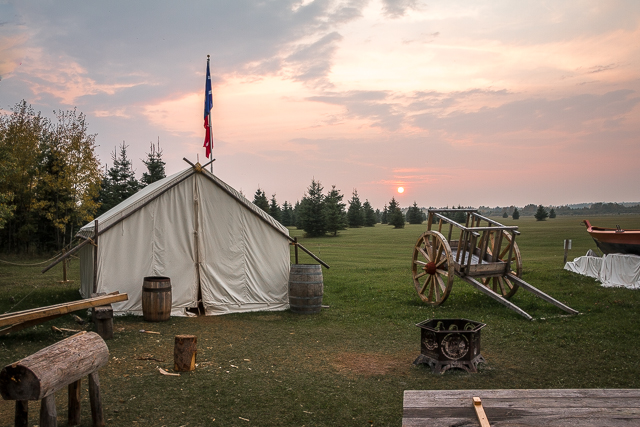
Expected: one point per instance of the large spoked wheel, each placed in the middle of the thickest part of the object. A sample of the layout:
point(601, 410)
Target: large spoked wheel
point(432, 268)
point(502, 285)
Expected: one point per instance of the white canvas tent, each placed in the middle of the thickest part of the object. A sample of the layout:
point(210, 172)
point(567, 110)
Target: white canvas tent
point(203, 235)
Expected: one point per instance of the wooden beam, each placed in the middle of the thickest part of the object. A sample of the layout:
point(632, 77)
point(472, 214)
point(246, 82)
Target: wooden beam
point(539, 293)
point(485, 290)
point(44, 312)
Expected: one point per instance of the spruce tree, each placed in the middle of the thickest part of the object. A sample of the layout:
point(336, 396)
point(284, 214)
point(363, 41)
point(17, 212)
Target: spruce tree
point(312, 216)
point(370, 219)
point(334, 211)
point(119, 183)
point(541, 214)
point(274, 209)
point(384, 218)
point(286, 219)
point(516, 214)
point(552, 213)
point(414, 214)
point(260, 200)
point(395, 214)
point(155, 166)
point(355, 215)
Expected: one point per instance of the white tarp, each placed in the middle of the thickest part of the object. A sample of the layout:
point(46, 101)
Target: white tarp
point(612, 270)
point(203, 235)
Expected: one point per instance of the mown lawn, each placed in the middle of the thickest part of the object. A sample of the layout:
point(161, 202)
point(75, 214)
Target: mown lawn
point(350, 364)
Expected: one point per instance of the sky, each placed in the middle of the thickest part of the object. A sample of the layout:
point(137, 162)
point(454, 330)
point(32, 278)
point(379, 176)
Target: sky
point(483, 103)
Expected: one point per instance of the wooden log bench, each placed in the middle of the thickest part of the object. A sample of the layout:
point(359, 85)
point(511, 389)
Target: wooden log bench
point(40, 375)
point(522, 408)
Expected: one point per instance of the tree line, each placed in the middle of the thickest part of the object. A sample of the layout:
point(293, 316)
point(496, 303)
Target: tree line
point(51, 182)
point(320, 213)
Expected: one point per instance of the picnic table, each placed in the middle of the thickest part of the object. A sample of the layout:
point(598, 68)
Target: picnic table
point(523, 408)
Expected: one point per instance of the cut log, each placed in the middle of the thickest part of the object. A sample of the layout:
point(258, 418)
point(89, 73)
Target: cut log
point(184, 353)
point(53, 367)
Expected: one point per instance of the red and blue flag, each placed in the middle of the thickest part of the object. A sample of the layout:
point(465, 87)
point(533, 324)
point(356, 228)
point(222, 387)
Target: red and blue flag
point(208, 104)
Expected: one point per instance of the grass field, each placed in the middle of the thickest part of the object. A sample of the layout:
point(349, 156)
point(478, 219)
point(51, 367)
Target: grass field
point(349, 365)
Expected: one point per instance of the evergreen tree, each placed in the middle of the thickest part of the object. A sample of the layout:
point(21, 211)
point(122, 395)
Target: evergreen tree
point(541, 214)
point(260, 200)
point(274, 208)
point(355, 215)
point(414, 214)
point(378, 216)
point(505, 214)
point(370, 219)
point(384, 218)
point(155, 166)
point(395, 214)
point(287, 212)
point(516, 214)
point(336, 217)
point(552, 213)
point(312, 216)
point(119, 183)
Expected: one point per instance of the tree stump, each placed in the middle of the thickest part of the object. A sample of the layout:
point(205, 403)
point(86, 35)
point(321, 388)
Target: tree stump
point(102, 317)
point(184, 353)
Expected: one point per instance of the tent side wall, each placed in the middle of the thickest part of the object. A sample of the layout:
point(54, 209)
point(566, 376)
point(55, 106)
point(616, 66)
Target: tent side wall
point(244, 261)
point(154, 241)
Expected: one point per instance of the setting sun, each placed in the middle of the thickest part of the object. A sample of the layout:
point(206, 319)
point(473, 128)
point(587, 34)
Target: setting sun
point(400, 189)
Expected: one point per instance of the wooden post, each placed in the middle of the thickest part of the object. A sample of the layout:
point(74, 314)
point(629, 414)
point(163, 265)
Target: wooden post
point(95, 256)
point(295, 245)
point(567, 246)
point(184, 353)
point(64, 268)
point(74, 403)
point(48, 414)
point(97, 416)
point(22, 413)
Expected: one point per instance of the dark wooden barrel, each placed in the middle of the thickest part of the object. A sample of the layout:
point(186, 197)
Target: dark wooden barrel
point(156, 298)
point(305, 288)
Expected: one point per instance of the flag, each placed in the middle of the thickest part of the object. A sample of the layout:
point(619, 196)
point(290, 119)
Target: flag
point(208, 104)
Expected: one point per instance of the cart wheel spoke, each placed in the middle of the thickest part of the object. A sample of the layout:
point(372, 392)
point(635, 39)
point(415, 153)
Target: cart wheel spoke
point(432, 268)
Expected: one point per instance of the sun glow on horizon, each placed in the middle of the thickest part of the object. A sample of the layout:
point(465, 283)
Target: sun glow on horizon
point(400, 190)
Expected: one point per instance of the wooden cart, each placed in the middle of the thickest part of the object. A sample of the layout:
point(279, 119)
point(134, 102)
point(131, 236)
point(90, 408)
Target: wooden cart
point(482, 252)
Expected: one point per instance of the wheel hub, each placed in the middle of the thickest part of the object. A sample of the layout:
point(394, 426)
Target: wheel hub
point(430, 268)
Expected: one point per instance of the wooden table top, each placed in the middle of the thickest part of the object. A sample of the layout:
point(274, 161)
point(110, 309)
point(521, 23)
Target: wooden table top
point(523, 408)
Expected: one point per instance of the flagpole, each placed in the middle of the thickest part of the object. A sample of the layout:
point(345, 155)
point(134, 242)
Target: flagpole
point(210, 124)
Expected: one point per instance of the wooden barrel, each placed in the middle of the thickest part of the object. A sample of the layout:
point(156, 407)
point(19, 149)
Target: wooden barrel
point(156, 298)
point(305, 288)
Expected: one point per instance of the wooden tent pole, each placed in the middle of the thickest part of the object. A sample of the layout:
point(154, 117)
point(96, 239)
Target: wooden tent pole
point(95, 257)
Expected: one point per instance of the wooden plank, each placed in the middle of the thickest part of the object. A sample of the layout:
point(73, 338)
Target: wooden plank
point(54, 305)
point(482, 416)
point(539, 293)
point(44, 312)
point(554, 407)
point(20, 326)
point(485, 290)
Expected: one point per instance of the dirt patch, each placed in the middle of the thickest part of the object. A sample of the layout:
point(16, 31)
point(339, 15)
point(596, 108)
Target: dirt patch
point(372, 364)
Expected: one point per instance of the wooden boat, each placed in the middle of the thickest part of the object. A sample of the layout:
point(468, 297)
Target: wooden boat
point(615, 240)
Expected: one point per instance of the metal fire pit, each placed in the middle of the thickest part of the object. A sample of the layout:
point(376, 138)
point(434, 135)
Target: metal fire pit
point(450, 343)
